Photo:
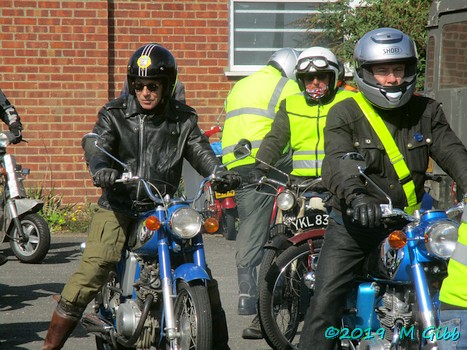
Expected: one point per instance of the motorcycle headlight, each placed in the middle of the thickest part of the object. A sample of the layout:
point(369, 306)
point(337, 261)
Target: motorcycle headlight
point(441, 238)
point(286, 200)
point(186, 222)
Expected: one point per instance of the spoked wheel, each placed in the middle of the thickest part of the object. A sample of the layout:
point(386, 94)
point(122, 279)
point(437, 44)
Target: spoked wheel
point(193, 317)
point(36, 243)
point(284, 297)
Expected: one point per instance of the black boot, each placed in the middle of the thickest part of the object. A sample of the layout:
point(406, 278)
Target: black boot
point(247, 290)
point(254, 330)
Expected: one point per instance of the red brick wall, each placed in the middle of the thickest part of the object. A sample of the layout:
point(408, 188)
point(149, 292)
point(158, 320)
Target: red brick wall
point(61, 60)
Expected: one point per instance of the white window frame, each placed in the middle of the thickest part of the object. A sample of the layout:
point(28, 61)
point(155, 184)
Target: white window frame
point(243, 70)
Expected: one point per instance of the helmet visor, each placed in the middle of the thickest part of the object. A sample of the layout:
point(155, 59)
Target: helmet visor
point(317, 63)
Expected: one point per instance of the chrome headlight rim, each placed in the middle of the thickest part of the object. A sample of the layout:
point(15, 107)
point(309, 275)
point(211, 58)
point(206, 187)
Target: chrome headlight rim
point(286, 200)
point(441, 238)
point(186, 223)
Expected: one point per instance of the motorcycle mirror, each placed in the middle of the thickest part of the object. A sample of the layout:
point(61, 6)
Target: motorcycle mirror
point(242, 149)
point(93, 136)
point(355, 163)
point(98, 144)
point(357, 166)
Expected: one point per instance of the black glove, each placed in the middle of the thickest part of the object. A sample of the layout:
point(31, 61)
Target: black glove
point(255, 175)
point(105, 177)
point(15, 129)
point(366, 211)
point(226, 181)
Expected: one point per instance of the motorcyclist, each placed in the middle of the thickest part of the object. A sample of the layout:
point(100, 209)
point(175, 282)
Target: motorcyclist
point(397, 132)
point(153, 133)
point(301, 117)
point(11, 118)
point(299, 123)
point(250, 109)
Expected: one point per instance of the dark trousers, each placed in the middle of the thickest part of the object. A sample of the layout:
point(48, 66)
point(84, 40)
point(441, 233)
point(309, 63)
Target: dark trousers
point(340, 260)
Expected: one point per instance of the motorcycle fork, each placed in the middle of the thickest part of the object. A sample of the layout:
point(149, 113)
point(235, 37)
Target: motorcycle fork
point(425, 305)
point(11, 205)
point(167, 287)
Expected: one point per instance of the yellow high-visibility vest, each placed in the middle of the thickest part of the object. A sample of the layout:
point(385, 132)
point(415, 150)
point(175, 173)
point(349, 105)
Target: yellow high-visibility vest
point(454, 290)
point(250, 110)
point(306, 132)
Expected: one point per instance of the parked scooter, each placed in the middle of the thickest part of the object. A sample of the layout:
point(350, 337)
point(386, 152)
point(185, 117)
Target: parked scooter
point(157, 296)
point(27, 232)
point(222, 206)
point(394, 302)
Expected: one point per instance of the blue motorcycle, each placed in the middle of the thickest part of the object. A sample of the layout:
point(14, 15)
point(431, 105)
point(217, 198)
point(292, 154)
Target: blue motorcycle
point(157, 296)
point(393, 304)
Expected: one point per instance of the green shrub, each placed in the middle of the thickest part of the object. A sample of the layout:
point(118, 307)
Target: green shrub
point(59, 216)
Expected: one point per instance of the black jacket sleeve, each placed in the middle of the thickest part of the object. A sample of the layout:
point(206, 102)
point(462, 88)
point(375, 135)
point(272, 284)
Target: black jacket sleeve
point(9, 114)
point(276, 140)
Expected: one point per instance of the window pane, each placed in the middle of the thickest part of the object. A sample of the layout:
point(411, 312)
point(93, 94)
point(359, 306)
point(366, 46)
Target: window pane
point(261, 28)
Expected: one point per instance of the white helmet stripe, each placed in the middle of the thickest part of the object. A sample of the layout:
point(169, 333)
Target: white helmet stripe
point(143, 72)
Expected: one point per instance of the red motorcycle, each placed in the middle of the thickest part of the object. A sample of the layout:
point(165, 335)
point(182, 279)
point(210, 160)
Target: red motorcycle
point(222, 206)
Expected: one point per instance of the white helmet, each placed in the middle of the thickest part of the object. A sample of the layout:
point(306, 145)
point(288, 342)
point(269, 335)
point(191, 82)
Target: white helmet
point(385, 46)
point(322, 60)
point(284, 60)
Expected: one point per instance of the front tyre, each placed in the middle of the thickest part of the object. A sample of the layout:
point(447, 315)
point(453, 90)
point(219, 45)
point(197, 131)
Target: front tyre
point(284, 297)
point(36, 243)
point(193, 318)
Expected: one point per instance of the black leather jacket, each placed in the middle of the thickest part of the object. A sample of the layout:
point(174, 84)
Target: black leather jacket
point(153, 146)
point(420, 130)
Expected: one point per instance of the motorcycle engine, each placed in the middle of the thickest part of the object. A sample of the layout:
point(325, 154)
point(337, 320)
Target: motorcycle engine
point(394, 310)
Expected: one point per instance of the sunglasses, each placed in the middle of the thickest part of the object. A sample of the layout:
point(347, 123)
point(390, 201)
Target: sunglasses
point(317, 63)
point(153, 87)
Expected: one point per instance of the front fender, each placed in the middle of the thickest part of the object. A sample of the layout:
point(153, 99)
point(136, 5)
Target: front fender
point(310, 234)
point(189, 272)
point(23, 206)
point(278, 242)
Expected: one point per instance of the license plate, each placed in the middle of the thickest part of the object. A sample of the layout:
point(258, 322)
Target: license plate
point(225, 195)
point(308, 222)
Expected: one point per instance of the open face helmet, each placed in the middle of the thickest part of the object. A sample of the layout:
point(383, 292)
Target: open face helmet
point(153, 61)
point(385, 46)
point(284, 60)
point(316, 60)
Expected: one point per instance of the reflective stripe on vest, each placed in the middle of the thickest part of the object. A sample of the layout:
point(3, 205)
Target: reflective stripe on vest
point(454, 290)
point(307, 132)
point(396, 158)
point(253, 123)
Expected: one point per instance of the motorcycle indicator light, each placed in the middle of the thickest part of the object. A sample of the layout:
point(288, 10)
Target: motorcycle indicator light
point(152, 223)
point(211, 225)
point(397, 239)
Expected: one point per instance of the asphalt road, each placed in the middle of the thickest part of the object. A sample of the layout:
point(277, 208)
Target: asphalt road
point(26, 303)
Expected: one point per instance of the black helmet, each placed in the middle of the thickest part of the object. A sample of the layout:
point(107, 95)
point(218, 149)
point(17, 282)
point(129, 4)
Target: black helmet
point(153, 61)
